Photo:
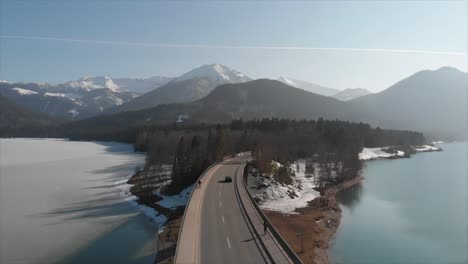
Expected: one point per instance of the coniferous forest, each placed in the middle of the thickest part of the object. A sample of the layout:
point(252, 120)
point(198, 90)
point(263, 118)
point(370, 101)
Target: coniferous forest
point(332, 144)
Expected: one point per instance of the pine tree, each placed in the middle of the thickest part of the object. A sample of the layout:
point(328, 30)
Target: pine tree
point(196, 160)
point(210, 153)
point(180, 164)
point(219, 145)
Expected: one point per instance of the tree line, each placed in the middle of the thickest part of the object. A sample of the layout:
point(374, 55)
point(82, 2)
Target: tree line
point(332, 145)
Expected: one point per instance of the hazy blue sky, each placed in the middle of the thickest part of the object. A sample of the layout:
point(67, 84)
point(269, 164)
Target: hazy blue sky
point(176, 36)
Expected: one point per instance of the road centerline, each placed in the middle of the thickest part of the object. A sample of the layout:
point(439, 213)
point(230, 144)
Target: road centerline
point(229, 243)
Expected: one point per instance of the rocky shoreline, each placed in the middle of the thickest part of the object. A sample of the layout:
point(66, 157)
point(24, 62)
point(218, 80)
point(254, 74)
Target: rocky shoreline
point(143, 187)
point(311, 229)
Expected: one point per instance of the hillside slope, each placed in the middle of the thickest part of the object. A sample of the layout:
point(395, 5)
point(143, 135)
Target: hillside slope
point(434, 102)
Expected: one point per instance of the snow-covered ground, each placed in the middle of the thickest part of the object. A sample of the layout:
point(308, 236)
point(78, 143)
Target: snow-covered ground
point(425, 148)
point(125, 193)
point(24, 91)
point(378, 153)
point(71, 96)
point(280, 197)
point(167, 201)
point(174, 201)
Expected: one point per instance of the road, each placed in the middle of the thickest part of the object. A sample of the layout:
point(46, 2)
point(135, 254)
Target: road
point(215, 227)
point(225, 233)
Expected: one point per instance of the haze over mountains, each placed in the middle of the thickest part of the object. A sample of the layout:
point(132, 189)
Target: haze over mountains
point(345, 95)
point(13, 116)
point(351, 93)
point(433, 102)
point(82, 98)
point(188, 87)
point(310, 87)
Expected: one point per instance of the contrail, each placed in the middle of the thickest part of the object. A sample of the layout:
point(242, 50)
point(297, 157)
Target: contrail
point(204, 46)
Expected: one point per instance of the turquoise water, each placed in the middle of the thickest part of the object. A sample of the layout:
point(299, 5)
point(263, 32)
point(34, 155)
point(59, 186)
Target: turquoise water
point(407, 211)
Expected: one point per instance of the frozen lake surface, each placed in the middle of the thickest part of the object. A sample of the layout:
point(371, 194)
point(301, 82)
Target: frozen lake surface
point(58, 204)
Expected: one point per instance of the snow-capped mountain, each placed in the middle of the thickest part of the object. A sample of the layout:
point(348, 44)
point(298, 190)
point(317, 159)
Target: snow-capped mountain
point(188, 87)
point(82, 98)
point(287, 81)
point(141, 85)
point(310, 87)
point(88, 83)
point(216, 72)
point(136, 85)
point(351, 93)
point(63, 101)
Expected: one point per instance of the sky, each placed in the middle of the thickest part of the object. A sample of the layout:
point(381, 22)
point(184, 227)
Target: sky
point(339, 44)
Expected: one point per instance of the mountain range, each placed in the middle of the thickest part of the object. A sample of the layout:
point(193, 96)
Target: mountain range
point(433, 102)
point(430, 101)
point(188, 87)
point(350, 94)
point(12, 117)
point(310, 87)
point(78, 99)
point(345, 95)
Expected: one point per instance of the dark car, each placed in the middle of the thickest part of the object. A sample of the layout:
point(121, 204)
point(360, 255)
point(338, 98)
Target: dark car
point(227, 179)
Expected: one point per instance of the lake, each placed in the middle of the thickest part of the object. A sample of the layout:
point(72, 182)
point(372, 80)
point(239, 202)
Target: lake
point(407, 211)
point(59, 204)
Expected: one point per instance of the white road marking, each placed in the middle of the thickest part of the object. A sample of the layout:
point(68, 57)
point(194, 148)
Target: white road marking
point(222, 218)
point(220, 204)
point(229, 243)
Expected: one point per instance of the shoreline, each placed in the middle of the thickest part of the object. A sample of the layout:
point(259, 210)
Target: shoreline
point(168, 219)
point(315, 225)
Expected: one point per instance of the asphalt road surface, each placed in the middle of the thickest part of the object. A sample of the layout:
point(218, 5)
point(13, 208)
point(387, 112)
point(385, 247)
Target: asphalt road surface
point(225, 236)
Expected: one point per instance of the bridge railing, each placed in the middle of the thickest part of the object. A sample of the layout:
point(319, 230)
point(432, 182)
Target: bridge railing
point(188, 202)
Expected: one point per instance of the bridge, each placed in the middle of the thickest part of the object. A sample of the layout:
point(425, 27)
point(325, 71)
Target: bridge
point(223, 224)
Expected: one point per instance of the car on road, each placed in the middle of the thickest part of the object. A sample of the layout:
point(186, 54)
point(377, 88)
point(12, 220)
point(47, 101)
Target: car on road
point(227, 179)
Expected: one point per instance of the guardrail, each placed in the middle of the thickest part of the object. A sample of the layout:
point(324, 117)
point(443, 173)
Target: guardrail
point(265, 249)
point(188, 202)
point(289, 251)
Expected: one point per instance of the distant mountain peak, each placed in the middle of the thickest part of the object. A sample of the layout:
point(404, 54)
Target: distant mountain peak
point(94, 82)
point(217, 72)
point(308, 86)
point(351, 93)
point(448, 69)
point(287, 81)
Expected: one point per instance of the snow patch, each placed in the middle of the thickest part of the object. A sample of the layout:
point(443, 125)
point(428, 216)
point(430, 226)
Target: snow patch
point(71, 96)
point(280, 197)
point(24, 91)
point(287, 81)
point(378, 153)
point(425, 148)
point(73, 112)
point(126, 195)
point(88, 83)
point(215, 72)
point(174, 201)
point(381, 153)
